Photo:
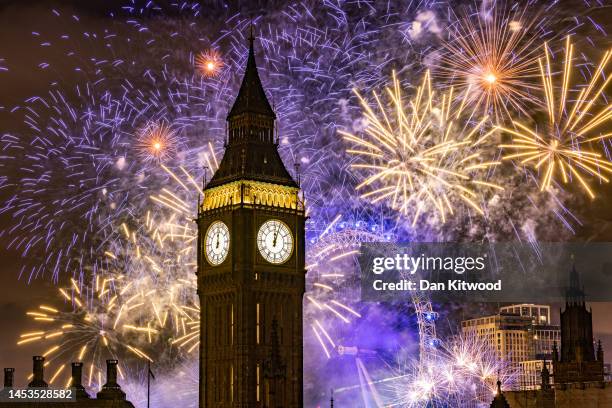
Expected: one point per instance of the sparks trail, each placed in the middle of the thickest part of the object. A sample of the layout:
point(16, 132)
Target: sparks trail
point(491, 59)
point(418, 156)
point(463, 372)
point(157, 142)
point(209, 63)
point(571, 147)
point(99, 323)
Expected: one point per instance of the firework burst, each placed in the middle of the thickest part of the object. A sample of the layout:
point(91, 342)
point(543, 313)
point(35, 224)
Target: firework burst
point(491, 59)
point(157, 142)
point(418, 157)
point(141, 299)
point(566, 149)
point(159, 260)
point(479, 364)
point(463, 372)
point(160, 251)
point(209, 63)
point(78, 174)
point(103, 322)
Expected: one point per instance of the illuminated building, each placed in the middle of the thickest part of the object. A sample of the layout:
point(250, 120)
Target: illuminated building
point(508, 334)
point(251, 273)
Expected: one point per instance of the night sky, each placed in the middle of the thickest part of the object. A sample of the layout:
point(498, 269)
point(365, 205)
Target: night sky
point(18, 18)
point(22, 53)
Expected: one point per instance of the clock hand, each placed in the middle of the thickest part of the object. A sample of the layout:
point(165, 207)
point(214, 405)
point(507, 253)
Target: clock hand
point(276, 235)
point(217, 245)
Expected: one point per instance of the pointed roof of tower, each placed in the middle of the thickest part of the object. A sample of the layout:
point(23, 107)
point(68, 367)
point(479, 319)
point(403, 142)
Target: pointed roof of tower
point(574, 294)
point(251, 96)
point(251, 153)
point(599, 351)
point(545, 376)
point(574, 278)
point(500, 400)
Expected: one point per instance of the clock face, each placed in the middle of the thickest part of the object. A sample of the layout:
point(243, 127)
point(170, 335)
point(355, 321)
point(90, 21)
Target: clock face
point(275, 241)
point(217, 243)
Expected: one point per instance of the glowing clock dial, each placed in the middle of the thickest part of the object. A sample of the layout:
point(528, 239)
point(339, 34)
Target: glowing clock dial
point(275, 241)
point(217, 243)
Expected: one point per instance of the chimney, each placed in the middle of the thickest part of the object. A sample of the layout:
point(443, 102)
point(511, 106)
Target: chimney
point(8, 377)
point(77, 373)
point(38, 380)
point(111, 390)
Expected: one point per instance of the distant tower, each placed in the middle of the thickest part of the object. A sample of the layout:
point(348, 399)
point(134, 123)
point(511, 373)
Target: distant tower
point(545, 374)
point(251, 273)
point(577, 362)
point(500, 400)
point(547, 393)
point(600, 353)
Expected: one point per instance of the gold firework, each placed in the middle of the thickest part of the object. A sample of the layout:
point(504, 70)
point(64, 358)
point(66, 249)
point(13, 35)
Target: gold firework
point(157, 141)
point(419, 157)
point(492, 61)
point(209, 63)
point(566, 148)
point(159, 257)
point(163, 245)
point(188, 338)
point(94, 328)
point(127, 316)
point(159, 252)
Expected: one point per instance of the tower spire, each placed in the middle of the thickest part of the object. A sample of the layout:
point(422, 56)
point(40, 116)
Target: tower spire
point(574, 294)
point(577, 360)
point(500, 400)
point(545, 376)
point(251, 196)
point(600, 353)
point(251, 152)
point(251, 96)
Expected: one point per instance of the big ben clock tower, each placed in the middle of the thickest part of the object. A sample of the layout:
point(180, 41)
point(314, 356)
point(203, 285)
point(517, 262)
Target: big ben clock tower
point(251, 274)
